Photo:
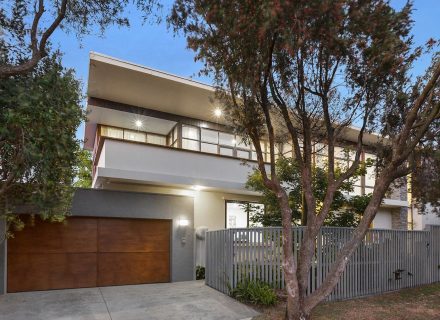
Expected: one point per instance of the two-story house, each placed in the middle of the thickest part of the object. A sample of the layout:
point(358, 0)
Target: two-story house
point(165, 167)
point(154, 132)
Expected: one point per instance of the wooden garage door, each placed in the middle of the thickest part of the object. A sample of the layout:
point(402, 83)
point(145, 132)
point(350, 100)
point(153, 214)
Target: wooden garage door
point(89, 252)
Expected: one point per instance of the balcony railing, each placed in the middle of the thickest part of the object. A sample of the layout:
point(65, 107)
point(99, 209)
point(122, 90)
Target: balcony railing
point(225, 144)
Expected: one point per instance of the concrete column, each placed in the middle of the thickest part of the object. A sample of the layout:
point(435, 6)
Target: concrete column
point(399, 219)
point(399, 216)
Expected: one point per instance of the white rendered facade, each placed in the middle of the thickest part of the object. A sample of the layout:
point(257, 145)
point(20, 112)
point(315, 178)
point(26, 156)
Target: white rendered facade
point(157, 133)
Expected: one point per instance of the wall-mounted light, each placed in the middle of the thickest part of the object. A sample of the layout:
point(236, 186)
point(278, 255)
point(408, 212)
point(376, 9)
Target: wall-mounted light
point(138, 124)
point(183, 229)
point(234, 141)
point(197, 187)
point(183, 222)
point(218, 112)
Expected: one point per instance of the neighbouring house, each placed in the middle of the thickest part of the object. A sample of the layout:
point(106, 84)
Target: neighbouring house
point(421, 221)
point(166, 168)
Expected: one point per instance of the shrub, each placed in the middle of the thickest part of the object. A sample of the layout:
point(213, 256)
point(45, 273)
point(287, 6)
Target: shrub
point(256, 292)
point(200, 273)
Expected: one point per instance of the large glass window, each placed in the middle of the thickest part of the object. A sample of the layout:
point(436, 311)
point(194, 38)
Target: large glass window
point(193, 138)
point(156, 139)
point(241, 143)
point(112, 132)
point(265, 150)
point(227, 139)
point(190, 132)
point(210, 148)
point(190, 138)
point(134, 135)
point(209, 136)
point(238, 214)
point(226, 151)
point(173, 136)
point(190, 144)
point(287, 150)
point(243, 154)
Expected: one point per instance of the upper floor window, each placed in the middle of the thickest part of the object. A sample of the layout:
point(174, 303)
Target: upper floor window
point(190, 138)
point(135, 136)
point(156, 139)
point(216, 142)
point(111, 132)
point(132, 135)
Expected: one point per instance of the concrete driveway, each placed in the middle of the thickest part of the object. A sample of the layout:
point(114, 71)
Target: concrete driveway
point(168, 301)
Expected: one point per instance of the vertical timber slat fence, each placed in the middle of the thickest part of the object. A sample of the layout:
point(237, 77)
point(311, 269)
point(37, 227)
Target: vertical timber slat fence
point(385, 260)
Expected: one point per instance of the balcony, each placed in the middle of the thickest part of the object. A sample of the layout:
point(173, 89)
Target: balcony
point(182, 154)
point(155, 164)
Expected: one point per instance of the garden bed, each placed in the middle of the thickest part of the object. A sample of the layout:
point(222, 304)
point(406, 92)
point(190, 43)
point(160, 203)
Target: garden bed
point(421, 303)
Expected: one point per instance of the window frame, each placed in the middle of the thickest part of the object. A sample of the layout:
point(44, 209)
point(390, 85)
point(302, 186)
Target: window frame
point(247, 213)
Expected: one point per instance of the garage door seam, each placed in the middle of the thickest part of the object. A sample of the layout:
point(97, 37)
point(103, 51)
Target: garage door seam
point(105, 302)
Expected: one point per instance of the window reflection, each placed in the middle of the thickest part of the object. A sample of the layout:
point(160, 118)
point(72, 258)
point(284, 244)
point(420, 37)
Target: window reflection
point(239, 214)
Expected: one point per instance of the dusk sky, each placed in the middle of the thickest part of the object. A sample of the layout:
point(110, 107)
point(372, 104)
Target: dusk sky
point(155, 46)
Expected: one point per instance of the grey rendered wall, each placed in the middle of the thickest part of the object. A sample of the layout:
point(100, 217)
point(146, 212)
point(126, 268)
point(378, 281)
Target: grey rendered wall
point(2, 257)
point(122, 204)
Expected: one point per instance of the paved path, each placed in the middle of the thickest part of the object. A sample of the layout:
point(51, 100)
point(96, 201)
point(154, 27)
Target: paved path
point(168, 301)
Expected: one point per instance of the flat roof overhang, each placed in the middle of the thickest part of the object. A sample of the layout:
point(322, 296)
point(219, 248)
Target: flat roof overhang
point(132, 84)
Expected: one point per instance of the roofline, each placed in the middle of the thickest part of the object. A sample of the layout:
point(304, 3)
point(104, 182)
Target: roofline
point(147, 70)
point(96, 56)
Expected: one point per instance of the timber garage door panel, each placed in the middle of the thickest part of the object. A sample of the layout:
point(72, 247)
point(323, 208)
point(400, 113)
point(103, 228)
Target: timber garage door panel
point(133, 268)
point(133, 235)
point(89, 252)
point(76, 235)
point(29, 272)
point(53, 255)
point(133, 251)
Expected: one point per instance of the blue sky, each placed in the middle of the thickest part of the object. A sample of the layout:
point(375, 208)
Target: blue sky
point(157, 47)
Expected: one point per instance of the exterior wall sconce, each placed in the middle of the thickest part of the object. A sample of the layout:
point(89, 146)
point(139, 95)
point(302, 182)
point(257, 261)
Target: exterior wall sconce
point(183, 226)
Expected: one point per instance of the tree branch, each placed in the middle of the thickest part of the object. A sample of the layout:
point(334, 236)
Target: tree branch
point(412, 114)
point(38, 50)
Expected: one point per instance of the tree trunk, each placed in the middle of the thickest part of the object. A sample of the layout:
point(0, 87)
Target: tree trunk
point(303, 210)
point(342, 258)
point(295, 306)
point(299, 312)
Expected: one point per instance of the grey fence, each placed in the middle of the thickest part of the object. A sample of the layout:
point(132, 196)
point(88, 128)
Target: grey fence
point(386, 260)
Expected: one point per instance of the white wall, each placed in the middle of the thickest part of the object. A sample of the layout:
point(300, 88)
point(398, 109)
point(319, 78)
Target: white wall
point(155, 164)
point(101, 160)
point(383, 220)
point(422, 220)
point(209, 206)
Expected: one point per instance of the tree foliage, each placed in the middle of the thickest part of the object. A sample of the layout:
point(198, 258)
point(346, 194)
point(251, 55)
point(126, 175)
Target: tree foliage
point(346, 209)
point(303, 72)
point(39, 115)
point(27, 25)
point(425, 178)
point(83, 177)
